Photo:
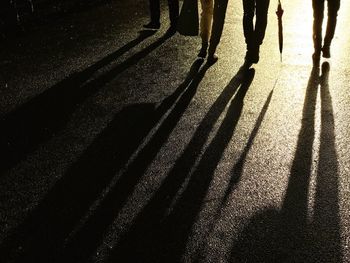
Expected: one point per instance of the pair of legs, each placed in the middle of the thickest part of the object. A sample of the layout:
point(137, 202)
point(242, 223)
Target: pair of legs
point(318, 7)
point(155, 13)
point(254, 33)
point(211, 27)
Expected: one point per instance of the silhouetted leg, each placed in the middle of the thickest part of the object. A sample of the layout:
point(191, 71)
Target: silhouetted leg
point(205, 25)
point(173, 12)
point(249, 9)
point(333, 7)
point(218, 25)
point(155, 11)
point(261, 10)
point(318, 7)
point(248, 15)
point(262, 7)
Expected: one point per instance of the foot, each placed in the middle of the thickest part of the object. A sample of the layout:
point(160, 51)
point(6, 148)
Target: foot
point(152, 25)
point(171, 31)
point(212, 58)
point(252, 55)
point(203, 52)
point(326, 53)
point(246, 65)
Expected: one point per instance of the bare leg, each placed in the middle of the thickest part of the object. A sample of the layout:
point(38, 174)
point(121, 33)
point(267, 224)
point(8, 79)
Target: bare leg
point(205, 25)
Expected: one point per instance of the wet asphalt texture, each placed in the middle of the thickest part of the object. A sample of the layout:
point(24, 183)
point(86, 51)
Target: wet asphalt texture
point(119, 145)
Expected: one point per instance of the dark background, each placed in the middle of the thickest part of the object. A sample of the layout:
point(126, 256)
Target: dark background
point(21, 14)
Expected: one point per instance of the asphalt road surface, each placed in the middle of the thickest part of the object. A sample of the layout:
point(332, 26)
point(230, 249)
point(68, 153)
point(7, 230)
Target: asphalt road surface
point(121, 146)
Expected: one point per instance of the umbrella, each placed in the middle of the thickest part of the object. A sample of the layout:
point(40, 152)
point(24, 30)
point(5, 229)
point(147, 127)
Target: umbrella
point(279, 14)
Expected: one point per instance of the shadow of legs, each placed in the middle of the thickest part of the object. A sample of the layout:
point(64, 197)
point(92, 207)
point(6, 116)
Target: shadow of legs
point(326, 220)
point(289, 235)
point(72, 196)
point(42, 117)
point(160, 231)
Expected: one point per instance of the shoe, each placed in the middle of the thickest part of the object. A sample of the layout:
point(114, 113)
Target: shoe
point(326, 53)
point(152, 25)
point(203, 52)
point(246, 65)
point(252, 55)
point(171, 31)
point(212, 58)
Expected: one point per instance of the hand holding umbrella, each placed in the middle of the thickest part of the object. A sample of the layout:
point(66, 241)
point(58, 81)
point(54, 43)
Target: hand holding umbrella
point(279, 14)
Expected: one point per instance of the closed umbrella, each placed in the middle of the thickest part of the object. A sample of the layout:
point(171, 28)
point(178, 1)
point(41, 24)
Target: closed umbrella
point(279, 14)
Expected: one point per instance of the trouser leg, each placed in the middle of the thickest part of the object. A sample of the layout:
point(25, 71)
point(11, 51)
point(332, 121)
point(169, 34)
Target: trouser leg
point(155, 10)
point(333, 7)
point(173, 11)
point(248, 16)
point(262, 7)
point(219, 14)
point(318, 9)
point(206, 20)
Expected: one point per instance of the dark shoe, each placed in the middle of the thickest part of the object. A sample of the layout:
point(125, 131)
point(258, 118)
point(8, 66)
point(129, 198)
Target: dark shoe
point(252, 55)
point(152, 25)
point(326, 53)
point(171, 31)
point(203, 52)
point(212, 58)
point(255, 57)
point(246, 65)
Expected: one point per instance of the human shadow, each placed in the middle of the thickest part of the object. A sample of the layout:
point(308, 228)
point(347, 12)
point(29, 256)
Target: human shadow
point(161, 230)
point(326, 224)
point(237, 169)
point(92, 233)
point(39, 119)
point(235, 175)
point(47, 233)
point(291, 234)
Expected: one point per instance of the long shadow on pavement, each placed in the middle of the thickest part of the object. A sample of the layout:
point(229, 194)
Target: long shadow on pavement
point(237, 170)
point(39, 119)
point(44, 233)
point(289, 235)
point(92, 233)
point(160, 231)
point(235, 176)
